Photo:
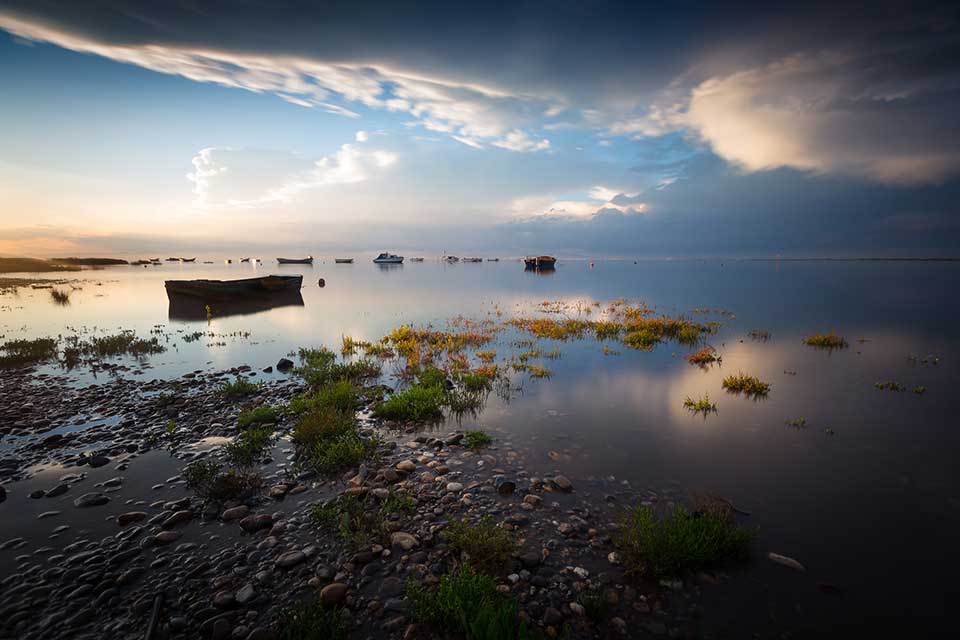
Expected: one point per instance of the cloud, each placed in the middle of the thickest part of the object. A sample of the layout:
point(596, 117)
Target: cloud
point(361, 136)
point(469, 110)
point(871, 114)
point(520, 141)
point(226, 178)
point(599, 199)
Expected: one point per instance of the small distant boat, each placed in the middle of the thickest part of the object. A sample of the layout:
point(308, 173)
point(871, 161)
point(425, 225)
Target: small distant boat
point(540, 262)
point(493, 259)
point(388, 258)
point(208, 262)
point(473, 259)
point(307, 260)
point(343, 260)
point(244, 259)
point(234, 288)
point(188, 259)
point(173, 259)
point(228, 261)
point(451, 259)
point(416, 259)
point(154, 259)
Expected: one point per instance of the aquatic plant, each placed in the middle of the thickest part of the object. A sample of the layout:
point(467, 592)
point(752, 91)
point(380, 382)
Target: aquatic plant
point(477, 439)
point(486, 356)
point(760, 335)
point(309, 620)
point(239, 388)
point(419, 403)
point(483, 545)
point(538, 371)
point(642, 340)
point(704, 357)
point(357, 519)
point(797, 423)
point(319, 367)
point(345, 451)
point(248, 447)
point(829, 341)
point(21, 352)
point(678, 543)
point(60, 297)
point(212, 482)
point(257, 415)
point(920, 390)
point(701, 405)
point(123, 343)
point(889, 385)
point(747, 385)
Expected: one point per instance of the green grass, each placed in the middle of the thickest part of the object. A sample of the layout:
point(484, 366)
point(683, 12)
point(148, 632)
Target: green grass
point(120, 344)
point(747, 385)
point(679, 543)
point(643, 340)
point(476, 439)
point(829, 341)
point(342, 452)
point(21, 352)
point(239, 388)
point(359, 520)
point(342, 396)
point(700, 405)
point(309, 620)
point(484, 546)
point(419, 403)
point(467, 604)
point(212, 482)
point(476, 382)
point(704, 357)
point(249, 447)
point(538, 371)
point(319, 367)
point(257, 415)
point(889, 385)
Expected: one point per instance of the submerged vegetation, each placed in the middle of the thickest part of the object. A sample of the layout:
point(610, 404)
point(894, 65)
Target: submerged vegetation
point(75, 350)
point(829, 341)
point(476, 439)
point(23, 352)
point(239, 388)
point(467, 603)
point(310, 620)
point(747, 385)
point(890, 385)
point(60, 297)
point(484, 546)
point(700, 405)
point(704, 357)
point(679, 542)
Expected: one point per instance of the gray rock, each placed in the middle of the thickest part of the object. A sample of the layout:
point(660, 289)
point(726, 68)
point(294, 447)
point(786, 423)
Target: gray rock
point(256, 522)
point(131, 516)
point(284, 364)
point(235, 513)
point(245, 594)
point(290, 559)
point(91, 500)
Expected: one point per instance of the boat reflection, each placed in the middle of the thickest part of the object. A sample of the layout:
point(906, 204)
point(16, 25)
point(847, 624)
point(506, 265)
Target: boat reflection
point(190, 308)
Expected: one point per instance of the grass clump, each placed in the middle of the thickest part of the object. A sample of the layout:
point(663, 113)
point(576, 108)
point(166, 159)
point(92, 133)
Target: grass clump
point(483, 546)
point(747, 385)
point(310, 621)
point(829, 341)
point(890, 385)
point(679, 543)
point(358, 519)
point(477, 439)
point(538, 371)
point(21, 352)
point(419, 403)
point(319, 367)
point(212, 482)
point(239, 388)
point(704, 357)
point(700, 405)
point(468, 604)
point(257, 415)
point(123, 343)
point(60, 297)
point(248, 447)
point(642, 340)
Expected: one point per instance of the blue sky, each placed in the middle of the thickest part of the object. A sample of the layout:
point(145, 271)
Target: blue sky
point(598, 128)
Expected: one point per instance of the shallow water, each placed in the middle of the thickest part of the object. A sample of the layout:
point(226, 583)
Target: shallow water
point(872, 508)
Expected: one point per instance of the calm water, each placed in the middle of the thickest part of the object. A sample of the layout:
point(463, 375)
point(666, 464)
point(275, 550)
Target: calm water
point(873, 509)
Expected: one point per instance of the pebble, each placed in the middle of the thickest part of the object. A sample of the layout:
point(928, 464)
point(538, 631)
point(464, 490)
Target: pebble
point(91, 500)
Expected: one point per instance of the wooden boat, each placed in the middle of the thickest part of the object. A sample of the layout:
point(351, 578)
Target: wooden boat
point(188, 259)
point(307, 260)
point(227, 289)
point(416, 259)
point(173, 259)
point(451, 258)
point(244, 259)
point(388, 258)
point(493, 259)
point(473, 259)
point(343, 260)
point(540, 262)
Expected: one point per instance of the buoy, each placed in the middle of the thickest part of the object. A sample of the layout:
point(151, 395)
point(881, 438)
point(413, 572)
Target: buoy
point(322, 282)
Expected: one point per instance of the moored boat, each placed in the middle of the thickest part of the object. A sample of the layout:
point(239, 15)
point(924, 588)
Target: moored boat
point(188, 259)
point(388, 258)
point(473, 259)
point(416, 259)
point(493, 259)
point(307, 260)
point(244, 259)
point(234, 288)
point(343, 260)
point(540, 262)
point(451, 258)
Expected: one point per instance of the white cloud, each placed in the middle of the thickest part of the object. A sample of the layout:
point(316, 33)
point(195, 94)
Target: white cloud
point(521, 141)
point(599, 198)
point(243, 179)
point(362, 136)
point(823, 113)
point(471, 111)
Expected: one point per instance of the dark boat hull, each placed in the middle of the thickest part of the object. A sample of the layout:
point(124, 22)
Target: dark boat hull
point(540, 262)
point(294, 260)
point(193, 308)
point(228, 289)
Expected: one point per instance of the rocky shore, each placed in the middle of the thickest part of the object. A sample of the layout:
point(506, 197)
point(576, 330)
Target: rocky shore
point(117, 539)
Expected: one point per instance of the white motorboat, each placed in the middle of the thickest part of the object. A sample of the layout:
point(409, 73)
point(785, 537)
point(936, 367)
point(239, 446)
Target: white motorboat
point(388, 258)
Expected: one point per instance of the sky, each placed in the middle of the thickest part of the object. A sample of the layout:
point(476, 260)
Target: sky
point(571, 127)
